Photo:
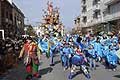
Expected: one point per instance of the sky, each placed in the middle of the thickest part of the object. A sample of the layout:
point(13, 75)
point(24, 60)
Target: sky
point(69, 10)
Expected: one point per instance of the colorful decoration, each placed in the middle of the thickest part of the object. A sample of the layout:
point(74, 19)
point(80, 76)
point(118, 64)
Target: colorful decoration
point(51, 21)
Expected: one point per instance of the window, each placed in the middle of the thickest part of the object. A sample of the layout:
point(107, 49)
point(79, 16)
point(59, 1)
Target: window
point(108, 9)
point(78, 20)
point(2, 13)
point(84, 9)
point(7, 15)
point(84, 1)
point(84, 19)
point(11, 17)
point(95, 2)
point(96, 14)
point(75, 21)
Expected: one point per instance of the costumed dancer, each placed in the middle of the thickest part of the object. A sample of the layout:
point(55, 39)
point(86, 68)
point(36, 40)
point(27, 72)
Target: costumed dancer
point(85, 48)
point(105, 52)
point(52, 51)
point(92, 57)
point(99, 49)
point(65, 57)
point(78, 59)
point(61, 52)
point(71, 53)
point(29, 52)
point(44, 46)
point(112, 58)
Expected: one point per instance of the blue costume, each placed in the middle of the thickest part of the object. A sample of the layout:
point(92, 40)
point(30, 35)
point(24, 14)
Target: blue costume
point(92, 58)
point(112, 59)
point(43, 45)
point(77, 60)
point(65, 58)
point(105, 50)
point(98, 48)
point(53, 50)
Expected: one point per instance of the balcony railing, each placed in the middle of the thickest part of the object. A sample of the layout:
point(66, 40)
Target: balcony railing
point(110, 17)
point(109, 2)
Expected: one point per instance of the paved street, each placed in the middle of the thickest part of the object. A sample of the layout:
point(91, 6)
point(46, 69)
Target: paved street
point(72, 26)
point(57, 72)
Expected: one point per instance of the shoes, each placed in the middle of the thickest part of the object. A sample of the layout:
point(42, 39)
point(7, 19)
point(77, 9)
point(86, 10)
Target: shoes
point(95, 68)
point(36, 75)
point(51, 64)
point(109, 69)
point(114, 69)
point(65, 68)
point(29, 77)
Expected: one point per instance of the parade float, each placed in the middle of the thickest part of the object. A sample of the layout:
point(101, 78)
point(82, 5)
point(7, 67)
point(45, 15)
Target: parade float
point(52, 27)
point(51, 23)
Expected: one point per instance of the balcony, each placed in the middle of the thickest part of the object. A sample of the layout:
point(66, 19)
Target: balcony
point(110, 2)
point(111, 17)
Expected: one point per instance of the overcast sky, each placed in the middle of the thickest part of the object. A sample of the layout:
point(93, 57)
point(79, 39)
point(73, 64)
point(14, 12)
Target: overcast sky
point(32, 9)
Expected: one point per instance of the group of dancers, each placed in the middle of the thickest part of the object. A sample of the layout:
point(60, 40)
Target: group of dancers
point(87, 49)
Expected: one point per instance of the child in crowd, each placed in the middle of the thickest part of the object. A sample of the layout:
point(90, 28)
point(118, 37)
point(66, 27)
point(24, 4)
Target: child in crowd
point(66, 52)
point(112, 59)
point(92, 57)
point(78, 51)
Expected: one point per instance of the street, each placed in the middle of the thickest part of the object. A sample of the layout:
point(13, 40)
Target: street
point(57, 73)
point(78, 30)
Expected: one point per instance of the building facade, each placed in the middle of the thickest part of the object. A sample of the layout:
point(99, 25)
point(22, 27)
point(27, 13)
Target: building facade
point(6, 17)
point(0, 13)
point(18, 20)
point(97, 12)
point(112, 16)
point(9, 16)
point(77, 28)
point(91, 12)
